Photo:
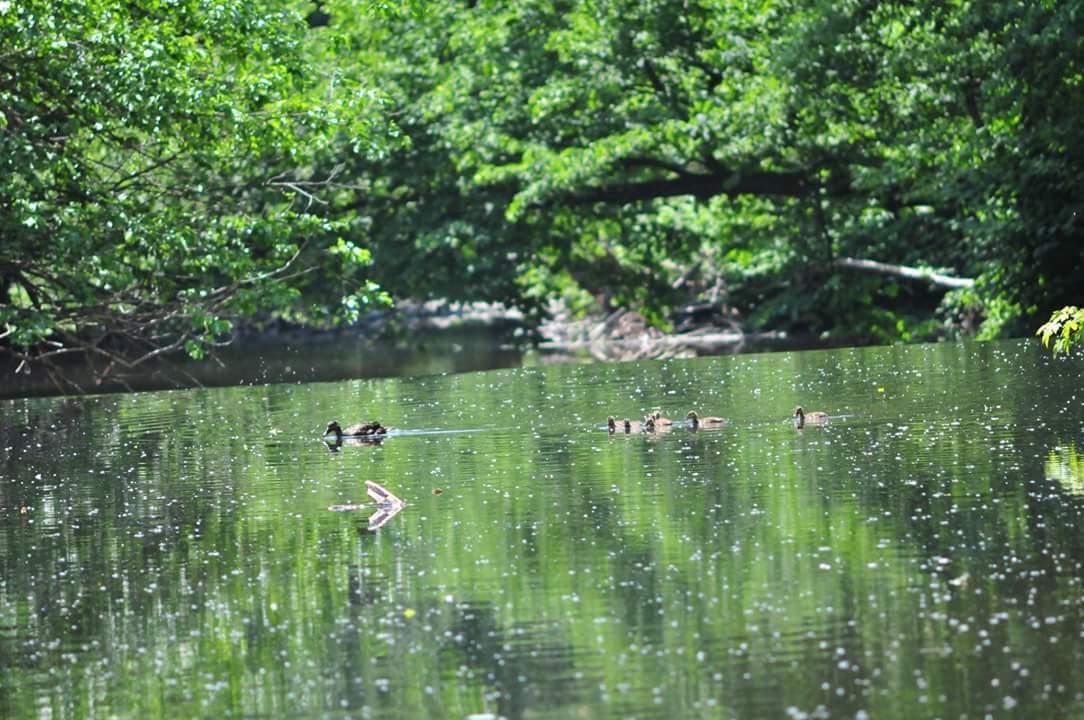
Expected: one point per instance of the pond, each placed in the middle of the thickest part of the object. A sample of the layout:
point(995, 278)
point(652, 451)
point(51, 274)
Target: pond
point(202, 553)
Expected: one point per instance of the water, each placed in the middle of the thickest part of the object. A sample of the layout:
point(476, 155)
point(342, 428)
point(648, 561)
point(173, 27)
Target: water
point(176, 553)
point(312, 358)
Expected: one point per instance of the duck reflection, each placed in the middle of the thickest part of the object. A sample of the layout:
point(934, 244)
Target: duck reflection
point(334, 444)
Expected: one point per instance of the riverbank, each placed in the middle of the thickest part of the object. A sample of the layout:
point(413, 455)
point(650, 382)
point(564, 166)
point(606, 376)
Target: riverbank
point(418, 338)
point(621, 335)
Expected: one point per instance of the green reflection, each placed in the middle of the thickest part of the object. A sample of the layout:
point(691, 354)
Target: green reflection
point(173, 554)
point(1065, 466)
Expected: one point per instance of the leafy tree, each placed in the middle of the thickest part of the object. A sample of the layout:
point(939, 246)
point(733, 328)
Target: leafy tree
point(156, 176)
point(651, 151)
point(858, 169)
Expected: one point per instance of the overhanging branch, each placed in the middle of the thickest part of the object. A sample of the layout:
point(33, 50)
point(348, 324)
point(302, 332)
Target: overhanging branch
point(911, 273)
point(700, 186)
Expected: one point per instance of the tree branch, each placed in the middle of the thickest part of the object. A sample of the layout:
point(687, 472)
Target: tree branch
point(660, 88)
point(649, 162)
point(700, 186)
point(911, 273)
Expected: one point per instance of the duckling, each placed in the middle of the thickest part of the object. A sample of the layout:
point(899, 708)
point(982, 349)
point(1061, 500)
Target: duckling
point(705, 422)
point(813, 418)
point(654, 424)
point(368, 429)
point(659, 419)
point(633, 426)
point(611, 424)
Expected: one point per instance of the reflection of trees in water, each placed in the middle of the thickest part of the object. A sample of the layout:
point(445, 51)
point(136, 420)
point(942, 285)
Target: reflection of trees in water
point(362, 593)
point(997, 550)
point(948, 503)
point(103, 560)
point(527, 665)
point(637, 586)
point(635, 568)
point(40, 435)
point(1065, 466)
point(518, 668)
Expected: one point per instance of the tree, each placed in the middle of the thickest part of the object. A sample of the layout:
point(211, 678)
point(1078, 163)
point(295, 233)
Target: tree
point(156, 176)
point(774, 154)
point(859, 169)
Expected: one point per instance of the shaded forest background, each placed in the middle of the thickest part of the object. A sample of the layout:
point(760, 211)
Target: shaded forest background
point(860, 171)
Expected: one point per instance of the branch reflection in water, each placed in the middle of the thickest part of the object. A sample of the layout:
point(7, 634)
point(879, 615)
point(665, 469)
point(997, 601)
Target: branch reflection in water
point(387, 505)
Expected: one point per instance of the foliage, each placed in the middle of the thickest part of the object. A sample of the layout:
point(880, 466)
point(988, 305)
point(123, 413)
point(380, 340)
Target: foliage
point(156, 169)
point(1064, 328)
point(167, 167)
point(656, 152)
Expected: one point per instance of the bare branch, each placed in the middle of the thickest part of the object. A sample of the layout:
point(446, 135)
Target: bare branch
point(911, 273)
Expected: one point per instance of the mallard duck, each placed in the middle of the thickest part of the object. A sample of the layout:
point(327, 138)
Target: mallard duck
point(369, 429)
point(611, 424)
point(707, 422)
point(813, 418)
point(633, 426)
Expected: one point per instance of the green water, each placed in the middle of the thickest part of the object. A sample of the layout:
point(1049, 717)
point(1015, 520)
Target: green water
point(173, 554)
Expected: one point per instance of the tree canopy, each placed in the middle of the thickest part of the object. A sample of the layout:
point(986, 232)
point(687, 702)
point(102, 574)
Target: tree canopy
point(651, 151)
point(158, 176)
point(859, 169)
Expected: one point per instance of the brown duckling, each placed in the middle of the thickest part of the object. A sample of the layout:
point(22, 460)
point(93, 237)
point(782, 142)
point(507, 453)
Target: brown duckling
point(705, 422)
point(653, 424)
point(611, 424)
point(369, 429)
point(633, 426)
point(813, 418)
point(659, 420)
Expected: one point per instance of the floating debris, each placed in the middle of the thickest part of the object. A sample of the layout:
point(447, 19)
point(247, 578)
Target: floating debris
point(348, 507)
point(387, 505)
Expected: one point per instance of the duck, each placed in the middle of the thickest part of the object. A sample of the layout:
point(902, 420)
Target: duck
point(633, 426)
point(813, 418)
point(706, 422)
point(659, 420)
point(654, 424)
point(363, 430)
point(611, 424)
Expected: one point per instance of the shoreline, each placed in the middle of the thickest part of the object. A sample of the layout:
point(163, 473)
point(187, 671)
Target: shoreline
point(414, 338)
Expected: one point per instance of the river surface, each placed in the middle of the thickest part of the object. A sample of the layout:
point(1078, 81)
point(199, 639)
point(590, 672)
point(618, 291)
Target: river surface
point(202, 553)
